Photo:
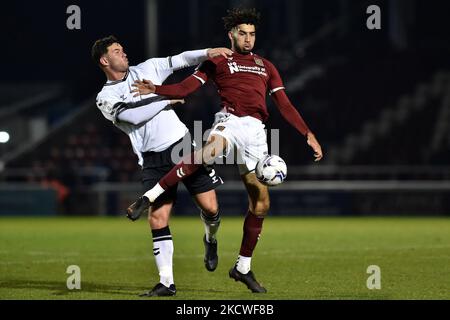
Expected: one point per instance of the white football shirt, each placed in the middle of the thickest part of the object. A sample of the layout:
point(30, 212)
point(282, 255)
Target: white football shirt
point(165, 128)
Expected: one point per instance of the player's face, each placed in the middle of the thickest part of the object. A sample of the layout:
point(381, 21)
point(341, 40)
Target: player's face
point(243, 38)
point(117, 58)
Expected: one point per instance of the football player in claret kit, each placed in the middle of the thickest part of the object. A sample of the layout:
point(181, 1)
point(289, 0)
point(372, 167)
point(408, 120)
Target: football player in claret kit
point(243, 81)
point(154, 130)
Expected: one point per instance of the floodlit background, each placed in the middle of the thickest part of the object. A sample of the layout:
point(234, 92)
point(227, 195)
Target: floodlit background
point(377, 100)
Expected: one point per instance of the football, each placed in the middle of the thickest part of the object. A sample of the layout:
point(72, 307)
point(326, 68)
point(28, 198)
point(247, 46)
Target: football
point(271, 170)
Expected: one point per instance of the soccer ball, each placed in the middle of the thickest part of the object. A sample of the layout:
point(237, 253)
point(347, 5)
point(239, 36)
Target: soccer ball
point(271, 170)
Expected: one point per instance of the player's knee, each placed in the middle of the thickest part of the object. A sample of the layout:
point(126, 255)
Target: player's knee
point(262, 207)
point(210, 208)
point(213, 149)
point(208, 155)
point(156, 223)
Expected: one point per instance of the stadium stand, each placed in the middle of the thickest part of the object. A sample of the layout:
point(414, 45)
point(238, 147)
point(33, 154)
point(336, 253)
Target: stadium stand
point(369, 102)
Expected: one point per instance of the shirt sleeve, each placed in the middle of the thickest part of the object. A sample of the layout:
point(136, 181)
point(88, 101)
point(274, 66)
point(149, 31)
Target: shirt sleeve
point(109, 106)
point(188, 59)
point(142, 114)
point(164, 67)
point(288, 111)
point(158, 69)
point(179, 90)
point(205, 70)
point(275, 82)
point(281, 100)
point(188, 85)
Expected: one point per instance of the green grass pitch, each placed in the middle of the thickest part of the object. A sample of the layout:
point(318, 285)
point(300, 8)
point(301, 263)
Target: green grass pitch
point(296, 258)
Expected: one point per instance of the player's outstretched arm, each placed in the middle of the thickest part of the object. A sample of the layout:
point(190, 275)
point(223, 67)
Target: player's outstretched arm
point(291, 115)
point(178, 90)
point(142, 114)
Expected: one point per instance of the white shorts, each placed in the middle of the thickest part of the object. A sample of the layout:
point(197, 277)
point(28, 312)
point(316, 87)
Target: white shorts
point(246, 139)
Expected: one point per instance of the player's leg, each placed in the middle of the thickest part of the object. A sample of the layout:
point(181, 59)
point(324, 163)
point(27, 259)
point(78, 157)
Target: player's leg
point(212, 149)
point(158, 218)
point(209, 214)
point(155, 165)
point(253, 147)
point(201, 185)
point(259, 204)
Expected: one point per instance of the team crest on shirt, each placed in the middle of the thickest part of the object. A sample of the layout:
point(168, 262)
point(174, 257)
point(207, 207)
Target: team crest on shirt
point(259, 62)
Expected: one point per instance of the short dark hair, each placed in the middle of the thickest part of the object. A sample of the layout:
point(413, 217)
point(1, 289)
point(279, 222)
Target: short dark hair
point(239, 16)
point(100, 47)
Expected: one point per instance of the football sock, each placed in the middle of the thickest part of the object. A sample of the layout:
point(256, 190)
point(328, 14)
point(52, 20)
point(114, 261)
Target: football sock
point(252, 230)
point(176, 174)
point(163, 252)
point(154, 192)
point(212, 224)
point(243, 264)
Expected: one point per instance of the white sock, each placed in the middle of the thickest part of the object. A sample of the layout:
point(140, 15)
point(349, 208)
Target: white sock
point(211, 224)
point(243, 264)
point(154, 192)
point(163, 252)
point(166, 275)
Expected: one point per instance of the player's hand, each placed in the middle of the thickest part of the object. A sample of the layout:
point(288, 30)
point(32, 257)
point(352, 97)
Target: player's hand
point(143, 87)
point(224, 52)
point(175, 101)
point(314, 144)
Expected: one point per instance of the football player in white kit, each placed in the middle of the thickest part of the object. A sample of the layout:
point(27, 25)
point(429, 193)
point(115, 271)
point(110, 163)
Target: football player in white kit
point(154, 130)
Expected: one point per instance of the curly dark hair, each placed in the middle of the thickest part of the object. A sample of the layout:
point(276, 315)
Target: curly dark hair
point(100, 47)
point(239, 16)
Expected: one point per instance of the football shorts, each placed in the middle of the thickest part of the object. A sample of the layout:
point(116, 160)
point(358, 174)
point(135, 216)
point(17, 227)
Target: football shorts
point(246, 139)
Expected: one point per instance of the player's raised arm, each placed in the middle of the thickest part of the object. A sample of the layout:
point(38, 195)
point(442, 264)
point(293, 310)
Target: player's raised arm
point(178, 90)
point(143, 114)
point(195, 57)
point(133, 113)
